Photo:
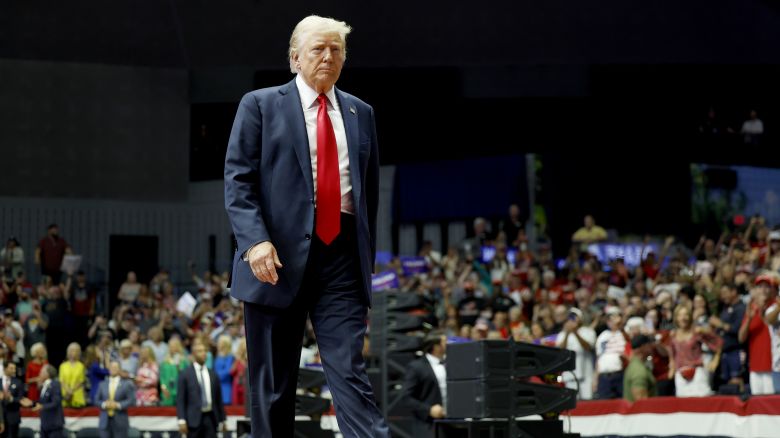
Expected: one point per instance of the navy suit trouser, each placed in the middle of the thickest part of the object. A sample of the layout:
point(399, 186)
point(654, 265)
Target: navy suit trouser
point(332, 297)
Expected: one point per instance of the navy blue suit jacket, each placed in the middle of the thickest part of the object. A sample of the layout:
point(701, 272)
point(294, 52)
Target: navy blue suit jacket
point(52, 417)
point(11, 406)
point(188, 397)
point(124, 395)
point(269, 192)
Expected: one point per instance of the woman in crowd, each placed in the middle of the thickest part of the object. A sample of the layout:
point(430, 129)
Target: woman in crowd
point(222, 366)
point(238, 371)
point(73, 378)
point(686, 364)
point(175, 361)
point(147, 379)
point(96, 372)
point(34, 366)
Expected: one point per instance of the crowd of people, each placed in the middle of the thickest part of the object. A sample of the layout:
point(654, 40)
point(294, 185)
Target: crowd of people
point(684, 321)
point(56, 322)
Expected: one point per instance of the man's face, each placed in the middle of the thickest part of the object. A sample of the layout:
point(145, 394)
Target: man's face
point(320, 59)
point(199, 353)
point(54, 231)
point(114, 369)
point(589, 222)
point(10, 369)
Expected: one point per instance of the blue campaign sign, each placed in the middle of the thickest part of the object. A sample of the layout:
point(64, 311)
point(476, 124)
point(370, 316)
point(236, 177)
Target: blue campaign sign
point(384, 280)
point(413, 265)
point(488, 252)
point(631, 253)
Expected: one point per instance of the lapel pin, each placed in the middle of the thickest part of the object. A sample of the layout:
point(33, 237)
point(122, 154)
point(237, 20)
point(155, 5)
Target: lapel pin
point(352, 109)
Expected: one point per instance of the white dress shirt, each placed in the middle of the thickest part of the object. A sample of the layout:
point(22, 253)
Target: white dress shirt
point(441, 375)
point(311, 105)
point(201, 372)
point(45, 387)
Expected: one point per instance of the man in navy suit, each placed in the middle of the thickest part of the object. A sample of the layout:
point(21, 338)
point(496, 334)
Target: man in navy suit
point(301, 191)
point(49, 406)
point(425, 385)
point(12, 395)
point(114, 396)
point(199, 405)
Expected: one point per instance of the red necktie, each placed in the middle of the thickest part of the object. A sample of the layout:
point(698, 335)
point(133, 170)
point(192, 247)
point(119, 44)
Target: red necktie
point(328, 183)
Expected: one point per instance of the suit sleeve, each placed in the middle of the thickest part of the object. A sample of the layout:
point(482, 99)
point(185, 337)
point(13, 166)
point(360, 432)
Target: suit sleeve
point(372, 188)
point(99, 397)
point(181, 396)
point(129, 399)
point(411, 391)
point(242, 176)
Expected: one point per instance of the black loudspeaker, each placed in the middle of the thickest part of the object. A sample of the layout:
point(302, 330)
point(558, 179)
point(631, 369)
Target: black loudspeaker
point(534, 360)
point(310, 405)
point(393, 300)
point(502, 398)
point(497, 358)
point(310, 378)
point(478, 360)
point(479, 398)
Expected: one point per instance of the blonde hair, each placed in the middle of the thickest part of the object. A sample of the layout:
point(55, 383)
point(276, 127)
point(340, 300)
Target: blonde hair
point(71, 347)
point(316, 24)
point(38, 347)
point(679, 309)
point(150, 354)
point(224, 345)
point(241, 349)
point(174, 341)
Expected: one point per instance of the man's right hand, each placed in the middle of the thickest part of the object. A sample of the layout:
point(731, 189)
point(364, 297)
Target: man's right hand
point(183, 429)
point(437, 411)
point(264, 262)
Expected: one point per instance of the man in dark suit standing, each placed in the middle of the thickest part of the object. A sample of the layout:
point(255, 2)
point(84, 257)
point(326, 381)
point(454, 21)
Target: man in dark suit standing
point(114, 396)
point(425, 385)
point(199, 398)
point(301, 191)
point(12, 395)
point(49, 405)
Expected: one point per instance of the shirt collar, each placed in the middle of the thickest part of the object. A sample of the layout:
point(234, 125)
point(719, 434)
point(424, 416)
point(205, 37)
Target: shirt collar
point(433, 359)
point(309, 96)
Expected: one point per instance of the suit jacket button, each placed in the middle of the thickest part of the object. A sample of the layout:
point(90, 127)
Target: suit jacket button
point(308, 236)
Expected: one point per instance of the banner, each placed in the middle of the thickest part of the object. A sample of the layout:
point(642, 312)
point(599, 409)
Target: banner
point(384, 280)
point(413, 265)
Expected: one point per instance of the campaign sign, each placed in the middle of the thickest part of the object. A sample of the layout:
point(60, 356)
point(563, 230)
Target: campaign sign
point(384, 280)
point(413, 265)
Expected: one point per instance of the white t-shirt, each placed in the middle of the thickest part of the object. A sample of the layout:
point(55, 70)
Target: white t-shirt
point(584, 359)
point(753, 127)
point(609, 347)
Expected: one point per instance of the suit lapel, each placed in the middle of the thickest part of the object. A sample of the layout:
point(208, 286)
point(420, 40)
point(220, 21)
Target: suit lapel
point(293, 114)
point(350, 117)
point(432, 376)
